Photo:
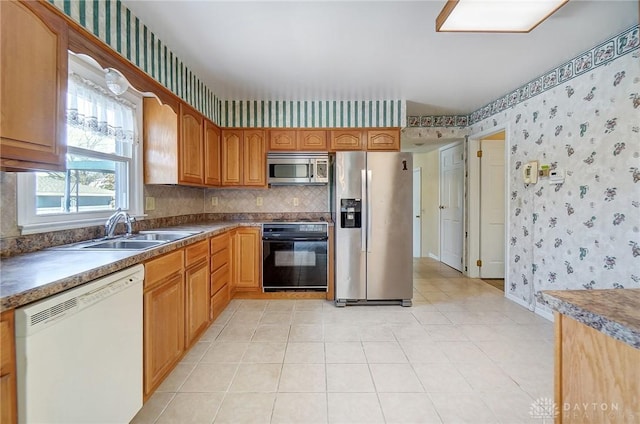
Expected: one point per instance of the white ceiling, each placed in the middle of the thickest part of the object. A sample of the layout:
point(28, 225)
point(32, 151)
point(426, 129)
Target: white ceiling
point(303, 50)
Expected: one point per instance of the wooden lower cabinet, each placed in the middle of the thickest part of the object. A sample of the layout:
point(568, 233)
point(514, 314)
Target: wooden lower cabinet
point(163, 330)
point(8, 400)
point(597, 378)
point(197, 294)
point(246, 259)
point(220, 273)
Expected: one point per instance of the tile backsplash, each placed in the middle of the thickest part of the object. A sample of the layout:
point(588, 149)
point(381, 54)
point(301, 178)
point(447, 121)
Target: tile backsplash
point(275, 199)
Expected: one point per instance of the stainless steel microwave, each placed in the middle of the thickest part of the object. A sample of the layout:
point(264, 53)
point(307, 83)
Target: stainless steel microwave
point(298, 168)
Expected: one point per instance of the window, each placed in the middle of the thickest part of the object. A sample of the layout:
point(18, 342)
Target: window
point(103, 169)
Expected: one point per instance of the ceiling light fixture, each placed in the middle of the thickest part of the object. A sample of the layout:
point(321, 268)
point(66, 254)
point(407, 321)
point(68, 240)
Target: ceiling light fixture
point(116, 82)
point(495, 15)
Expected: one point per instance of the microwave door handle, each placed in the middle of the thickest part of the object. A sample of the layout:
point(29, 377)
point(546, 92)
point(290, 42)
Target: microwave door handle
point(311, 170)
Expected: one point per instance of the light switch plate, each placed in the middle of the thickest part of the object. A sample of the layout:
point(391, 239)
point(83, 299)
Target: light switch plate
point(296, 201)
point(214, 201)
point(150, 203)
point(258, 201)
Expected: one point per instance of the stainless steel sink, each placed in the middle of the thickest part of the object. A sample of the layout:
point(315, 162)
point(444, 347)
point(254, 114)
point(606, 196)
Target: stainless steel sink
point(161, 235)
point(140, 241)
point(125, 244)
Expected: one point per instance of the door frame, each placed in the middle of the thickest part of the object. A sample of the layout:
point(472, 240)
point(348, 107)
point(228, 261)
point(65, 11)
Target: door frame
point(463, 265)
point(473, 184)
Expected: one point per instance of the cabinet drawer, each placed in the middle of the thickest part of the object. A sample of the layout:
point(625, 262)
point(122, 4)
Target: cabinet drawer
point(158, 269)
point(219, 301)
point(220, 259)
point(6, 344)
point(219, 279)
point(196, 252)
point(219, 242)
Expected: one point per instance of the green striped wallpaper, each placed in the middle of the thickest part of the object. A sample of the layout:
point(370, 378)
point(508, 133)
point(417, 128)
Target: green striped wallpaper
point(314, 114)
point(114, 24)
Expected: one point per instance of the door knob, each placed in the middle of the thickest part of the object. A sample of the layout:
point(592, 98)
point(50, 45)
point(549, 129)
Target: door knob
point(441, 207)
point(417, 216)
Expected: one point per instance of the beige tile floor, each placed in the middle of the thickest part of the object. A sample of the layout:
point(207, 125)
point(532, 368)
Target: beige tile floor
point(462, 353)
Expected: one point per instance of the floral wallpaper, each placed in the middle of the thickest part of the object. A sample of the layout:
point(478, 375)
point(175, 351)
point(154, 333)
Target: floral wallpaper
point(583, 233)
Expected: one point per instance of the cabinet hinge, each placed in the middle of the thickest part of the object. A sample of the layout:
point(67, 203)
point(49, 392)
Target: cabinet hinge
point(478, 262)
point(479, 153)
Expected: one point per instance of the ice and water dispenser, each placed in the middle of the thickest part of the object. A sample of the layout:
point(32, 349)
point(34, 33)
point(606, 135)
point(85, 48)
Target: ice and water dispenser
point(350, 213)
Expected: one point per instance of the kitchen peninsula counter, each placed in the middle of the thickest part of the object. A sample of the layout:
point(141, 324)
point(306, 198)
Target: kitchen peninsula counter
point(597, 352)
point(614, 312)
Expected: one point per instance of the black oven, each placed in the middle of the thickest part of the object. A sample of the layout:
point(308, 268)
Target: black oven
point(294, 257)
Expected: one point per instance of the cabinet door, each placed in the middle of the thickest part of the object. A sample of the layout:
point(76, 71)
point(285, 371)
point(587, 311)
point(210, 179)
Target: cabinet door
point(383, 140)
point(197, 300)
point(255, 159)
point(309, 140)
point(231, 157)
point(346, 140)
point(160, 132)
point(163, 330)
point(8, 405)
point(219, 301)
point(212, 144)
point(191, 147)
point(282, 140)
point(33, 59)
point(247, 259)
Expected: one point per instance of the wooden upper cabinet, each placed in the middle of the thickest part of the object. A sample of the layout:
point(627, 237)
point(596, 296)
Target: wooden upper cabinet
point(212, 146)
point(244, 158)
point(255, 159)
point(160, 134)
point(308, 140)
point(282, 140)
point(297, 140)
point(33, 60)
point(191, 147)
point(179, 148)
point(383, 139)
point(346, 140)
point(231, 157)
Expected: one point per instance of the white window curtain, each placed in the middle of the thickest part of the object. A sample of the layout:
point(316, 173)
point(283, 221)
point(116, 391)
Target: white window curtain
point(93, 109)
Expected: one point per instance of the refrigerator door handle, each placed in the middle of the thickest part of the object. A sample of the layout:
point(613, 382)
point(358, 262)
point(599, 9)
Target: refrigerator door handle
point(369, 210)
point(365, 208)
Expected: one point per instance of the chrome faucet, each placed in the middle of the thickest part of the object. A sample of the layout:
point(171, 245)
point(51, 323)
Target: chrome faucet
point(110, 225)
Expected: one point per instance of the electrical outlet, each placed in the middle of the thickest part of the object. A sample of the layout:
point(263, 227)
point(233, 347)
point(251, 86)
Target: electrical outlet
point(149, 203)
point(296, 201)
point(258, 201)
point(214, 201)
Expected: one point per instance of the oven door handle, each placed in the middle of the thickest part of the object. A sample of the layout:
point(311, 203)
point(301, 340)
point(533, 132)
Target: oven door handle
point(267, 238)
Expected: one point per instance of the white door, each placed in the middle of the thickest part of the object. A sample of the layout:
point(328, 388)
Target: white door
point(417, 213)
point(492, 209)
point(451, 205)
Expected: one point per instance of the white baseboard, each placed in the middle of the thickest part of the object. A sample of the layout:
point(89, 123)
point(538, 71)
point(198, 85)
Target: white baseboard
point(432, 256)
point(539, 311)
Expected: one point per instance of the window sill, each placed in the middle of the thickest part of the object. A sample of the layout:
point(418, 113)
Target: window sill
point(49, 227)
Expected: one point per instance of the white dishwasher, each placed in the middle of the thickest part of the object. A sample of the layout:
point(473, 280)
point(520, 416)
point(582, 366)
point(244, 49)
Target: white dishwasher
point(79, 353)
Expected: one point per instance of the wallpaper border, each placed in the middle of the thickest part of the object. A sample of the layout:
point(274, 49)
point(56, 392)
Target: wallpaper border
point(604, 53)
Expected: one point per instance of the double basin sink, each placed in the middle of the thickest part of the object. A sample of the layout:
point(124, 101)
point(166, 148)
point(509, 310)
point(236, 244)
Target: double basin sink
point(139, 241)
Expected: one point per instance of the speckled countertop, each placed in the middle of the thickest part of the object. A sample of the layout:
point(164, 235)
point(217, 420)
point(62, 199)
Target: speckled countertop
point(614, 312)
point(33, 276)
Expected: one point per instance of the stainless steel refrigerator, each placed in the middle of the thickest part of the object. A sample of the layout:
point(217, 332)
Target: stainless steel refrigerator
point(372, 211)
